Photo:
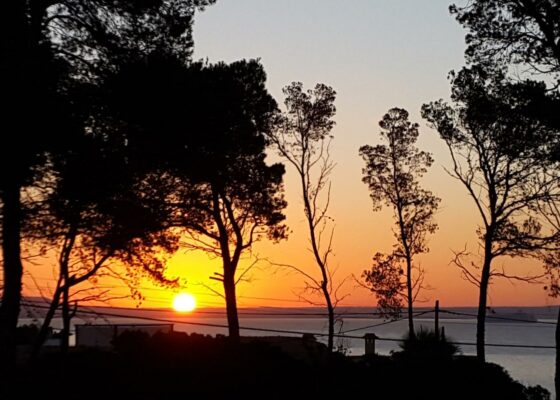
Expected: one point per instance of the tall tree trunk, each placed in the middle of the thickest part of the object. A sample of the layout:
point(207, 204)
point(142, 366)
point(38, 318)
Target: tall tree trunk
point(404, 239)
point(330, 311)
point(65, 275)
point(411, 331)
point(557, 371)
point(13, 271)
point(324, 288)
point(231, 304)
point(321, 260)
point(481, 316)
point(229, 264)
point(46, 323)
point(65, 334)
point(321, 263)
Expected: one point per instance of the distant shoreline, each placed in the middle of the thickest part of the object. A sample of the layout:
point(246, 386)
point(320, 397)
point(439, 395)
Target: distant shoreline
point(540, 313)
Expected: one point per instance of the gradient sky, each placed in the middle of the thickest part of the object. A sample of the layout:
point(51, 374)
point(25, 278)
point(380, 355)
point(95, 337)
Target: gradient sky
point(377, 54)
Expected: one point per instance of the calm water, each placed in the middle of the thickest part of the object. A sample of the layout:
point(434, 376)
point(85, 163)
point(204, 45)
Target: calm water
point(529, 366)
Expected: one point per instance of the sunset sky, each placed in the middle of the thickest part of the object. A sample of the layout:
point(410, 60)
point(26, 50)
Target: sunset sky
point(377, 54)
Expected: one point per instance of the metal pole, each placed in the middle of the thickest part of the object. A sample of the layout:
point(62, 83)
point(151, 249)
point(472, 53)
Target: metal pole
point(436, 320)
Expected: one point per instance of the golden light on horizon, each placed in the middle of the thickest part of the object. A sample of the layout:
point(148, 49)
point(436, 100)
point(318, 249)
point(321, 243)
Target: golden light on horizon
point(184, 302)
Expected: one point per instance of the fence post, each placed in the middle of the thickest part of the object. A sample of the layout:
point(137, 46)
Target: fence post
point(436, 320)
point(370, 343)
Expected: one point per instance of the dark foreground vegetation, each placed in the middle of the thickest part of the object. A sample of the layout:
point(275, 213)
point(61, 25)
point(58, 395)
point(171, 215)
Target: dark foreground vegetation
point(177, 365)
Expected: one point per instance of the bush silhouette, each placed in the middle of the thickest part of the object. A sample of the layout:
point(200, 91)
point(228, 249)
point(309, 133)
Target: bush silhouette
point(427, 344)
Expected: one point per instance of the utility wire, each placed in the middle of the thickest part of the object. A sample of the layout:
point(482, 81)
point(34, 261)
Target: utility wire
point(384, 323)
point(513, 325)
point(348, 314)
point(500, 318)
point(269, 330)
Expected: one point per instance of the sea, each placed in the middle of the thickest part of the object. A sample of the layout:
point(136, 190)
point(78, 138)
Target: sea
point(530, 366)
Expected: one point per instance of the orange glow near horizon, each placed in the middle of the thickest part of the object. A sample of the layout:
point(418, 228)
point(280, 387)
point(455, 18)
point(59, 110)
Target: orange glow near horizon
point(269, 286)
point(358, 235)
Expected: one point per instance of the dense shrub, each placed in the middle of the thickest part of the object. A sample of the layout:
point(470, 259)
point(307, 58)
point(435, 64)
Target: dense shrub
point(427, 344)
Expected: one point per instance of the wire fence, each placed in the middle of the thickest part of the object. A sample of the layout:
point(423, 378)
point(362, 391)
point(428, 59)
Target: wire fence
point(343, 335)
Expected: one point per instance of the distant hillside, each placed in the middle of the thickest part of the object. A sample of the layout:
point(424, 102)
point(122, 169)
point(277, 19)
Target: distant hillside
point(36, 307)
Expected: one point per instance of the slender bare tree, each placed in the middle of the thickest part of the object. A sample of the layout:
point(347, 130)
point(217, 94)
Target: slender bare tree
point(303, 138)
point(392, 172)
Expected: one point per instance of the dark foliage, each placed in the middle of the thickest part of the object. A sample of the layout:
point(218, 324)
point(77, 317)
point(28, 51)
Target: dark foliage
point(493, 147)
point(392, 172)
point(48, 46)
point(523, 32)
point(176, 365)
point(427, 344)
point(199, 132)
point(27, 334)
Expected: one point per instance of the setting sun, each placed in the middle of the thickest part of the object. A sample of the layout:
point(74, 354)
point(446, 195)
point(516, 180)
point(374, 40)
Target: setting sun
point(184, 302)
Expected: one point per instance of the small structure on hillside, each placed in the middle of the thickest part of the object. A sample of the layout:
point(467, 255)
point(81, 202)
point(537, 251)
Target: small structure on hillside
point(305, 348)
point(103, 335)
